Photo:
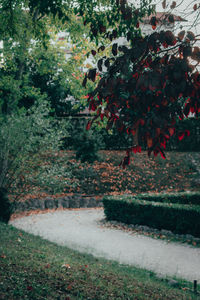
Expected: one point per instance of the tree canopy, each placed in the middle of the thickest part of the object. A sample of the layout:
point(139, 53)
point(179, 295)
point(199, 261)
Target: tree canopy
point(149, 83)
point(145, 85)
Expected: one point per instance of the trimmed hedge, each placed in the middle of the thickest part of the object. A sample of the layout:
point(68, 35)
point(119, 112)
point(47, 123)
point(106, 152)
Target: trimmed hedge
point(180, 197)
point(181, 219)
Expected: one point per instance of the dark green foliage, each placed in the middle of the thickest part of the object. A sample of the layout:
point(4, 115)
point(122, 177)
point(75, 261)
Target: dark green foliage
point(86, 146)
point(116, 140)
point(182, 219)
point(189, 143)
point(85, 143)
point(5, 206)
point(179, 198)
point(120, 140)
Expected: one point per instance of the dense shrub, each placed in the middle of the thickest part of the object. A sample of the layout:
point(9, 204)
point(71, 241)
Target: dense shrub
point(85, 143)
point(24, 138)
point(86, 148)
point(180, 197)
point(5, 206)
point(182, 219)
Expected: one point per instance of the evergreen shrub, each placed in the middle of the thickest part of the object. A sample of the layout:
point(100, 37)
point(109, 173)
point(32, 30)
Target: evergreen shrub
point(179, 218)
point(86, 143)
point(180, 197)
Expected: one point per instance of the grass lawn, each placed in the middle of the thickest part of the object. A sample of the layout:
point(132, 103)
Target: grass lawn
point(32, 268)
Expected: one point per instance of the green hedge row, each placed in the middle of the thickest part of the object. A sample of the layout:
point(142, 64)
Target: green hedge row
point(180, 197)
point(181, 219)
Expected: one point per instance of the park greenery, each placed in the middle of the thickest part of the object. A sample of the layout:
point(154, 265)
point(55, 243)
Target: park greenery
point(36, 80)
point(58, 58)
point(136, 93)
point(34, 268)
point(140, 89)
point(173, 214)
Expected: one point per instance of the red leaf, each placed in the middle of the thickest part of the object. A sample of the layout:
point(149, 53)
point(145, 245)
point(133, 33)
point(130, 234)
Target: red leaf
point(195, 7)
point(88, 125)
point(181, 117)
point(133, 131)
point(136, 149)
point(155, 152)
point(181, 136)
point(149, 142)
point(101, 116)
point(162, 153)
point(171, 131)
point(29, 288)
point(187, 132)
point(142, 122)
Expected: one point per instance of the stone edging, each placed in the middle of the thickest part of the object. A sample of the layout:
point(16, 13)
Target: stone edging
point(74, 201)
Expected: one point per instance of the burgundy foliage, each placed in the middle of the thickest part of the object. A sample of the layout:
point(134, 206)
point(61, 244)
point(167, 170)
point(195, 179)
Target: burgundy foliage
point(147, 86)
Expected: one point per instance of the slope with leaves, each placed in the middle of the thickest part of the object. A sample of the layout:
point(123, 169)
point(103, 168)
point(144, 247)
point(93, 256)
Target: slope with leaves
point(103, 177)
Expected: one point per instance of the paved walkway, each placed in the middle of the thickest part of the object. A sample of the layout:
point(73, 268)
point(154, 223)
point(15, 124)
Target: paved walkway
point(79, 230)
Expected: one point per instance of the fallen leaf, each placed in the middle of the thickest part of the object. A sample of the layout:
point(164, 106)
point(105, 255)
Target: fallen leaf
point(66, 266)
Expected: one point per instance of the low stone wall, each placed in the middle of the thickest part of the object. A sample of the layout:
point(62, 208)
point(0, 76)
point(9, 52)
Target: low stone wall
point(75, 201)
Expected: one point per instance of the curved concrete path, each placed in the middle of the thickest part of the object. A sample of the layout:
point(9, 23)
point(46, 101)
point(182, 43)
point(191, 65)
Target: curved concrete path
point(79, 230)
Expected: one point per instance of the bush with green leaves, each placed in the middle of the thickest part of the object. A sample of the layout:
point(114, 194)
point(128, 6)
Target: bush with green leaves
point(24, 137)
point(86, 148)
point(180, 197)
point(86, 143)
point(179, 218)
